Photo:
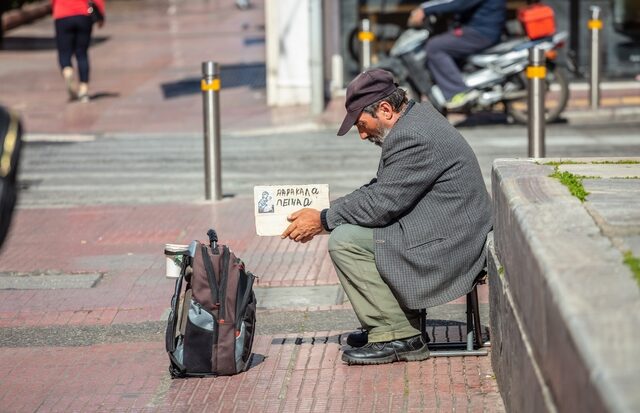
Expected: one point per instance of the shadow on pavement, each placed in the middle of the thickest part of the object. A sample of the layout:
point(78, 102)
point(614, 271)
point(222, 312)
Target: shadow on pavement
point(482, 119)
point(253, 75)
point(104, 95)
point(256, 360)
point(23, 43)
point(494, 118)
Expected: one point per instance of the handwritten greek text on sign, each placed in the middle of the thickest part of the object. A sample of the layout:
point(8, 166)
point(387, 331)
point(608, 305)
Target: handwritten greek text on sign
point(273, 203)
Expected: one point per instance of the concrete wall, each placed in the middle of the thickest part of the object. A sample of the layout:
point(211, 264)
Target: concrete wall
point(287, 41)
point(565, 310)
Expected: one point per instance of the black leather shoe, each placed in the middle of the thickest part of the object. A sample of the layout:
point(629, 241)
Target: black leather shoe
point(358, 338)
point(408, 349)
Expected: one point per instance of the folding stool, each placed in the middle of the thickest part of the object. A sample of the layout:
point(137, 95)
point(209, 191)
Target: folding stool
point(474, 344)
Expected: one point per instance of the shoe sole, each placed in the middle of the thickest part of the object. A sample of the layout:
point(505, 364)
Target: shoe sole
point(415, 355)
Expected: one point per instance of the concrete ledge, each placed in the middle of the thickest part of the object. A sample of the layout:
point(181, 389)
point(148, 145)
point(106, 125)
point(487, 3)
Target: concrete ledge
point(605, 114)
point(513, 354)
point(565, 310)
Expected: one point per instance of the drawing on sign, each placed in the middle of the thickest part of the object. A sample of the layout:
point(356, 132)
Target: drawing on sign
point(274, 203)
point(265, 204)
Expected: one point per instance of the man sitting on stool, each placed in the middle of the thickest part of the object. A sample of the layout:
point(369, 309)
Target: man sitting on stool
point(413, 237)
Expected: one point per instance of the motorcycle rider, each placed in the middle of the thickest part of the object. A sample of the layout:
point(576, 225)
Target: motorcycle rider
point(478, 25)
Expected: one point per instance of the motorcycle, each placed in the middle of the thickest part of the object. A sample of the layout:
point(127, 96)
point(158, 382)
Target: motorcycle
point(497, 73)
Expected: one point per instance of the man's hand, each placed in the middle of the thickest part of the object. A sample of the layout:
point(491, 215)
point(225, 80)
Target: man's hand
point(416, 17)
point(305, 224)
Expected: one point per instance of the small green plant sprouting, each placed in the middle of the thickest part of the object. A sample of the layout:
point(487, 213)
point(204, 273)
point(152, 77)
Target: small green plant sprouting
point(621, 162)
point(634, 264)
point(573, 182)
point(569, 162)
point(561, 162)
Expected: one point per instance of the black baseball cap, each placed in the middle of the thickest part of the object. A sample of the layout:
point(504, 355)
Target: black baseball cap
point(368, 87)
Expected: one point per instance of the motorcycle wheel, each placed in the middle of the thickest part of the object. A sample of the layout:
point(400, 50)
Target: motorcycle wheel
point(556, 96)
point(385, 33)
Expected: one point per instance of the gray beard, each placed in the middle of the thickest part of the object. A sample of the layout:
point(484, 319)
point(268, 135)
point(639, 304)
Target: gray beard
point(379, 137)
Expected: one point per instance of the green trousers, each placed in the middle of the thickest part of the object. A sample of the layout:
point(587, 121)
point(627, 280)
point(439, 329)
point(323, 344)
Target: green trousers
point(352, 251)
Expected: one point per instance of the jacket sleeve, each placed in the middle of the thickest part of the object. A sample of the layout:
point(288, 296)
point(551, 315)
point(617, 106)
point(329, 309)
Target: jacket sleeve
point(409, 172)
point(448, 6)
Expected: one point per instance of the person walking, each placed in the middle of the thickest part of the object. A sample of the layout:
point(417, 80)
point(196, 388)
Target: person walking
point(73, 26)
point(415, 236)
point(479, 24)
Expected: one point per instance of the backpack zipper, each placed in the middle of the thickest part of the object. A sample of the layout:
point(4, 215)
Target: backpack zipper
point(213, 286)
point(224, 274)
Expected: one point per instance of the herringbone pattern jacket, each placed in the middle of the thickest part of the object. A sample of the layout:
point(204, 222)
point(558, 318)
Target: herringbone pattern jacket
point(429, 208)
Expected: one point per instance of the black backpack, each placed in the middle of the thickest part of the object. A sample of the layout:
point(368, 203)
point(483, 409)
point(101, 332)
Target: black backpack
point(10, 145)
point(212, 321)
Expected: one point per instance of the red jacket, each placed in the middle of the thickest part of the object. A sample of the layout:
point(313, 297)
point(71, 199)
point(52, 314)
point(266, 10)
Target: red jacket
point(66, 8)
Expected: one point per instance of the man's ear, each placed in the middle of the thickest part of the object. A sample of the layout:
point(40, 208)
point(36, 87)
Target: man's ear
point(386, 110)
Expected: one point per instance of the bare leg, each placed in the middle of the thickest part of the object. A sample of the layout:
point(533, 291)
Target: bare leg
point(83, 92)
point(67, 74)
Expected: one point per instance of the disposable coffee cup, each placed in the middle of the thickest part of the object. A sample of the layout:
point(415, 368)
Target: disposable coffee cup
point(173, 259)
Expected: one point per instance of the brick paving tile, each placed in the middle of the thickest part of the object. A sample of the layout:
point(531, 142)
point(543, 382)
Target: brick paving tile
point(133, 287)
point(288, 374)
point(107, 231)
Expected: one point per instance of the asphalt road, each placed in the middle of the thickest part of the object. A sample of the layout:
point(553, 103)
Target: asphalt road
point(139, 169)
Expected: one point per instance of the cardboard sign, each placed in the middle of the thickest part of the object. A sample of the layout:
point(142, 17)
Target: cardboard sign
point(273, 203)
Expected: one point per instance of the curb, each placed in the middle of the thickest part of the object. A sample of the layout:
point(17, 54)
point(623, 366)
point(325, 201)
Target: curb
point(575, 117)
point(617, 114)
point(551, 296)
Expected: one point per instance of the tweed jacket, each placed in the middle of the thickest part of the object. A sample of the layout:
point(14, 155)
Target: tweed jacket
point(428, 207)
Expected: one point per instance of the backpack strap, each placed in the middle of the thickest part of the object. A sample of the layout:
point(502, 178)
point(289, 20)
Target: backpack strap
point(170, 338)
point(213, 284)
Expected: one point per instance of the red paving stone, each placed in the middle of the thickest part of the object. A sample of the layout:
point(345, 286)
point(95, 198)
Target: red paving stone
point(134, 238)
point(144, 47)
point(116, 242)
point(306, 377)
point(289, 373)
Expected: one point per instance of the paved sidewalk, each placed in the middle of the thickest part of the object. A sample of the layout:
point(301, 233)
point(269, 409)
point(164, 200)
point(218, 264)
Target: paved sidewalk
point(101, 348)
point(97, 344)
point(289, 374)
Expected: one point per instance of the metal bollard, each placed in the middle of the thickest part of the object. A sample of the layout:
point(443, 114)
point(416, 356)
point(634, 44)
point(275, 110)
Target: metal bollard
point(365, 36)
point(210, 86)
point(595, 25)
point(536, 73)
